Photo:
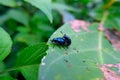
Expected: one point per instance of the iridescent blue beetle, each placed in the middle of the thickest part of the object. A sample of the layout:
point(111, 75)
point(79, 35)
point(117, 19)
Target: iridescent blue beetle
point(64, 41)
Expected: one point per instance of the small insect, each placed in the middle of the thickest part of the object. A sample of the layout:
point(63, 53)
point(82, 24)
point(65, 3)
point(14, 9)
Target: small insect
point(64, 41)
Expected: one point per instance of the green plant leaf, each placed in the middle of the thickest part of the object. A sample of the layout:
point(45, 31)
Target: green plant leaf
point(10, 3)
point(43, 5)
point(4, 76)
point(28, 60)
point(62, 7)
point(3, 18)
point(19, 16)
point(113, 22)
point(112, 19)
point(79, 61)
point(5, 44)
point(31, 55)
point(30, 72)
point(27, 38)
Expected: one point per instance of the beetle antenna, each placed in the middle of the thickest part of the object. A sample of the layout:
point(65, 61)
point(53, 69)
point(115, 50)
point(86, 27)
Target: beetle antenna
point(61, 32)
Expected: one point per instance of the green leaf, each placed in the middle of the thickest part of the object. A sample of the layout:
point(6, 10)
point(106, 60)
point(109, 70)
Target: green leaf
point(27, 38)
point(10, 3)
point(4, 76)
point(43, 5)
point(79, 61)
point(3, 18)
point(112, 19)
point(2, 66)
point(97, 13)
point(31, 55)
point(5, 44)
point(30, 73)
point(62, 7)
point(29, 59)
point(19, 16)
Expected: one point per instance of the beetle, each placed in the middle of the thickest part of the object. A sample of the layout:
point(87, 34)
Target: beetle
point(64, 41)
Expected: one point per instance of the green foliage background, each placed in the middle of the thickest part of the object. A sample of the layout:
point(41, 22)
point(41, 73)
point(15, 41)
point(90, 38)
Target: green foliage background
point(26, 25)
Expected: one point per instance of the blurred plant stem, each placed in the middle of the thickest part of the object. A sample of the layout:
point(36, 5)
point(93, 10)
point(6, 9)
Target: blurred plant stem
point(105, 14)
point(109, 4)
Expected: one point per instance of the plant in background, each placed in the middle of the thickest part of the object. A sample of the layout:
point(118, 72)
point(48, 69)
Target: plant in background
point(88, 51)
